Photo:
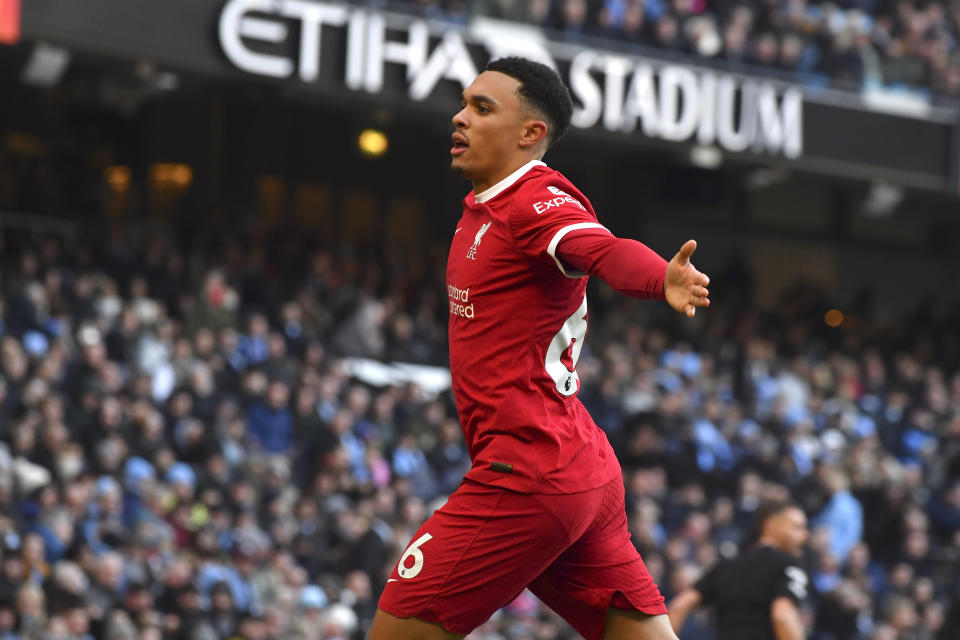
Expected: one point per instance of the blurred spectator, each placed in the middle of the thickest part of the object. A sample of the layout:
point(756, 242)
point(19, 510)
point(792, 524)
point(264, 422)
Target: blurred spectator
point(842, 516)
point(269, 420)
point(899, 45)
point(167, 471)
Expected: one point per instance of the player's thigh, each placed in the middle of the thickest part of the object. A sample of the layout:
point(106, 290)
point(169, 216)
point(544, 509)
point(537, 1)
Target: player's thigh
point(475, 554)
point(635, 625)
point(586, 594)
point(389, 627)
point(601, 571)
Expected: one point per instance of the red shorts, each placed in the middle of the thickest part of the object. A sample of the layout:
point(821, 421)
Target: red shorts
point(486, 544)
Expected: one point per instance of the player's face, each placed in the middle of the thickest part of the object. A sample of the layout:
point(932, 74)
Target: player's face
point(792, 532)
point(489, 127)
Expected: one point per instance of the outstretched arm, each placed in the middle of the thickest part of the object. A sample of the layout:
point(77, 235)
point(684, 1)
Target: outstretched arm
point(633, 269)
point(681, 607)
point(785, 619)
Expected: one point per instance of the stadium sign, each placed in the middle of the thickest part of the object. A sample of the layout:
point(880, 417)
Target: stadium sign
point(620, 93)
point(345, 52)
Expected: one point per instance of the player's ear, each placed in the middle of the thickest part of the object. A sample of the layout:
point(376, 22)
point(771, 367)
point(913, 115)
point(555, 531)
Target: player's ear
point(533, 132)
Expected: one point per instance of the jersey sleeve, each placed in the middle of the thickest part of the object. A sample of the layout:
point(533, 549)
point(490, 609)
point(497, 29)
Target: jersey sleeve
point(791, 582)
point(628, 266)
point(546, 215)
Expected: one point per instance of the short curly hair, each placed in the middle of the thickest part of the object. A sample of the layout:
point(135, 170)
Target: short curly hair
point(542, 89)
point(766, 511)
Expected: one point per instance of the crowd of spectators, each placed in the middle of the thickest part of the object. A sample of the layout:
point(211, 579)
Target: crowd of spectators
point(865, 43)
point(184, 455)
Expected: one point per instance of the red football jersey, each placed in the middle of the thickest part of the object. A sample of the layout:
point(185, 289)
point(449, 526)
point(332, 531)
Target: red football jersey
point(518, 319)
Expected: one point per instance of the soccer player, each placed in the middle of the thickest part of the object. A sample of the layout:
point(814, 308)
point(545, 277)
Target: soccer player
point(543, 503)
point(757, 594)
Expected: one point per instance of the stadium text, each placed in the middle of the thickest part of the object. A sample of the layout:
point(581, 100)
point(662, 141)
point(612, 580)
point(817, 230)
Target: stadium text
point(622, 94)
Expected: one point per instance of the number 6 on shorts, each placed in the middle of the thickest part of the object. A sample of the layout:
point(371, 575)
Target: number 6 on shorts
point(413, 550)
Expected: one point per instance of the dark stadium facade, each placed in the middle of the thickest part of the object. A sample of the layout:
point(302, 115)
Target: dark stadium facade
point(350, 51)
point(263, 101)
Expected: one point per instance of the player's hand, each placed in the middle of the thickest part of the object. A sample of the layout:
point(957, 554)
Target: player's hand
point(684, 287)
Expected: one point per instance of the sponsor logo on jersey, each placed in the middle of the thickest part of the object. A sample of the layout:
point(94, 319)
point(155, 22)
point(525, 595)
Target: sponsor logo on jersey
point(460, 304)
point(561, 197)
point(472, 253)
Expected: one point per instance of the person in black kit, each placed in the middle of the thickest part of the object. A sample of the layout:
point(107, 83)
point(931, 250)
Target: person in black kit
point(756, 595)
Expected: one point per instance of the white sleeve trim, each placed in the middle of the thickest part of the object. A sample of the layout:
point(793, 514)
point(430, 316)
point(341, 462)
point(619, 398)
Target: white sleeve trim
point(552, 247)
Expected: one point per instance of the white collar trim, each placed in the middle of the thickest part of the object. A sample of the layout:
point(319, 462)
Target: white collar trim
point(496, 189)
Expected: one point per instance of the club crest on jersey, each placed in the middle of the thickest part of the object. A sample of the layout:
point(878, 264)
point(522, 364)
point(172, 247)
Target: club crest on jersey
point(561, 197)
point(472, 253)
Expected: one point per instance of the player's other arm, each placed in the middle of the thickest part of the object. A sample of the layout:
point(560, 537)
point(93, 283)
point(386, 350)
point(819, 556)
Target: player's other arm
point(634, 269)
point(682, 606)
point(785, 618)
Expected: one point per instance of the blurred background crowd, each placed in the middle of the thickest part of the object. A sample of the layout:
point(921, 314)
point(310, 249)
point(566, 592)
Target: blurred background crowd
point(905, 44)
point(185, 455)
point(203, 290)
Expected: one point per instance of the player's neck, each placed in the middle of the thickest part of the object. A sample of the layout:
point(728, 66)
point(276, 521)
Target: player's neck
point(482, 184)
point(773, 543)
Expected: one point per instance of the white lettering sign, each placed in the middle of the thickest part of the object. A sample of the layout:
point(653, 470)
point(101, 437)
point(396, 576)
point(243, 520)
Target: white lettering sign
point(622, 94)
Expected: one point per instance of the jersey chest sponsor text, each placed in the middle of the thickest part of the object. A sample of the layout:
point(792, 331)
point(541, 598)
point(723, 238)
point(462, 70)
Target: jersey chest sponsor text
point(459, 299)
